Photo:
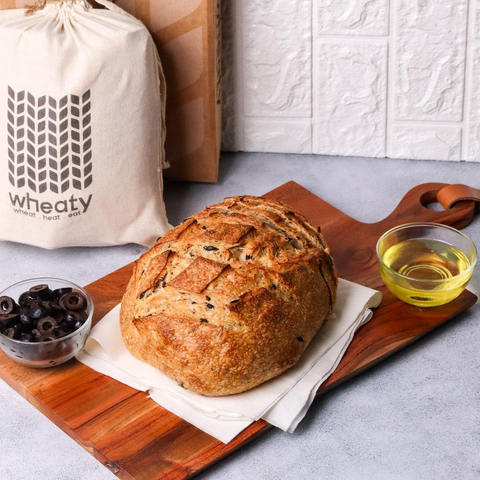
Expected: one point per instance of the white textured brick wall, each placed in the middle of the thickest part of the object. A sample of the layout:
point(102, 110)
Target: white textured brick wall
point(379, 78)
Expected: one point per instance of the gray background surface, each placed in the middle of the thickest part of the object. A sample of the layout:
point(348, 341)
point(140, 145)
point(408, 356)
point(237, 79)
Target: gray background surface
point(415, 416)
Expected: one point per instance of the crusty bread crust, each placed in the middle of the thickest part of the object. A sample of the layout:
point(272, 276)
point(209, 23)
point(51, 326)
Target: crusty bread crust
point(230, 298)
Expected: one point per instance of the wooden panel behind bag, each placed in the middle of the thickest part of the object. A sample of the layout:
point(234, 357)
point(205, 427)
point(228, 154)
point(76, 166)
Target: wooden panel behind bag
point(187, 34)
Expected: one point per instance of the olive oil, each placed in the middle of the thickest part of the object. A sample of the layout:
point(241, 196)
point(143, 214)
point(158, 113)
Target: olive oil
point(431, 272)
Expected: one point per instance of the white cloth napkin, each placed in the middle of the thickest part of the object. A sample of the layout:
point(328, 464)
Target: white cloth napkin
point(283, 401)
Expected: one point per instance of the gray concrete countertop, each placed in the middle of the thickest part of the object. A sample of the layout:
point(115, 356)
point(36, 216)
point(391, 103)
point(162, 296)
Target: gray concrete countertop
point(415, 416)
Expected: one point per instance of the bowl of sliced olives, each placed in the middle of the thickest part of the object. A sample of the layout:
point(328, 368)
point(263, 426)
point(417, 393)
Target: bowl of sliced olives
point(44, 321)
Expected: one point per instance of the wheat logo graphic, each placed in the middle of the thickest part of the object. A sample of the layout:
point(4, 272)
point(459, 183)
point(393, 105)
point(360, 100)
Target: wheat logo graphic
point(49, 142)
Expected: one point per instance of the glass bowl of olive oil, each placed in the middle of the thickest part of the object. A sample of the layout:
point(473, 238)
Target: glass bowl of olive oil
point(426, 264)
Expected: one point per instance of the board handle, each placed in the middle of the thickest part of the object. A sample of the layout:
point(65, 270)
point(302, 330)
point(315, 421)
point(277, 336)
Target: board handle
point(451, 194)
point(459, 204)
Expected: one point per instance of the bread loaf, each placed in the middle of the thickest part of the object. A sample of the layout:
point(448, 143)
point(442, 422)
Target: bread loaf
point(230, 298)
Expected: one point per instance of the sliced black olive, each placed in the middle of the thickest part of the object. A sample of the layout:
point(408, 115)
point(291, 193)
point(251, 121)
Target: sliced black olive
point(47, 337)
point(235, 301)
point(37, 310)
point(7, 305)
point(210, 248)
point(36, 334)
point(26, 337)
point(24, 299)
point(60, 317)
point(77, 325)
point(12, 332)
point(25, 318)
point(26, 324)
point(9, 320)
point(67, 328)
point(59, 332)
point(23, 310)
point(36, 313)
point(203, 320)
point(58, 312)
point(47, 307)
point(74, 316)
point(60, 292)
point(73, 301)
point(35, 302)
point(50, 297)
point(70, 322)
point(46, 325)
point(209, 305)
point(248, 257)
point(40, 291)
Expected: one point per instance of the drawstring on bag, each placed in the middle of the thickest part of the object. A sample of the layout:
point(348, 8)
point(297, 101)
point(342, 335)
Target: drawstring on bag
point(31, 9)
point(41, 4)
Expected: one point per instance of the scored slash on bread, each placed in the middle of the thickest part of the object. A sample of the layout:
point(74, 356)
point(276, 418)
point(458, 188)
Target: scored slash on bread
point(230, 298)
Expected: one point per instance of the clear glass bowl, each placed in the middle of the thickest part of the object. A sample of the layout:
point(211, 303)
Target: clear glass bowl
point(426, 264)
point(52, 352)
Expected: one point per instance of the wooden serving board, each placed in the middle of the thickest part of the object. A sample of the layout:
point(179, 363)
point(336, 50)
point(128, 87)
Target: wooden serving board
point(136, 438)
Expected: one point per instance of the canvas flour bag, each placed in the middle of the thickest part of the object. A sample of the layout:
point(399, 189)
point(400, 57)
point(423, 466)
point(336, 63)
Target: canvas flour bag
point(82, 105)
